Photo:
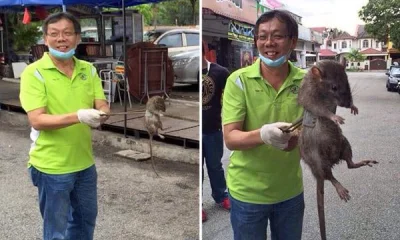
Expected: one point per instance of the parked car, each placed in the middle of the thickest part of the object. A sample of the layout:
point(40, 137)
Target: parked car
point(393, 78)
point(178, 40)
point(186, 67)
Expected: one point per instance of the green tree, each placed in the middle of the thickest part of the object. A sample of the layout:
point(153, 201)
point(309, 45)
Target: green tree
point(194, 7)
point(147, 11)
point(178, 12)
point(355, 56)
point(382, 18)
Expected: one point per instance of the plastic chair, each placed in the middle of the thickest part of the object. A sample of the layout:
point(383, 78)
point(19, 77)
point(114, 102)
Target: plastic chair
point(122, 85)
point(106, 76)
point(120, 77)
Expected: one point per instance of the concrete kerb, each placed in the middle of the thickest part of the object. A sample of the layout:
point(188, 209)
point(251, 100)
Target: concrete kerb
point(184, 102)
point(13, 118)
point(160, 150)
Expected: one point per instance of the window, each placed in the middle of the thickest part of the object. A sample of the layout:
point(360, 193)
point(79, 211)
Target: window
point(173, 40)
point(344, 44)
point(365, 43)
point(192, 39)
point(395, 71)
point(377, 44)
point(334, 46)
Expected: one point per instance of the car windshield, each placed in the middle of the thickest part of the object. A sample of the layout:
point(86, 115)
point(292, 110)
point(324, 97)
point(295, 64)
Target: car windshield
point(395, 71)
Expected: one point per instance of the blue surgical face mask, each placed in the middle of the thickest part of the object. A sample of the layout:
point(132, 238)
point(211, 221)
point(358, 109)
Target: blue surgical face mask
point(62, 55)
point(274, 63)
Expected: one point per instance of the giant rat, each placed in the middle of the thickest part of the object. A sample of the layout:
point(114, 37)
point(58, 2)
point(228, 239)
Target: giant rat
point(321, 141)
point(152, 121)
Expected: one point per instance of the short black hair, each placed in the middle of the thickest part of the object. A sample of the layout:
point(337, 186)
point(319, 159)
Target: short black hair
point(283, 16)
point(55, 17)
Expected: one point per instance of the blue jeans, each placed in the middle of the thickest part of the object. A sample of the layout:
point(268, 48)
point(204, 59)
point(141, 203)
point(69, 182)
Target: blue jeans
point(213, 150)
point(250, 221)
point(68, 203)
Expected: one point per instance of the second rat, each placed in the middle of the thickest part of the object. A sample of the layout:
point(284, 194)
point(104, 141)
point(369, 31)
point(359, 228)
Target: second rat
point(321, 141)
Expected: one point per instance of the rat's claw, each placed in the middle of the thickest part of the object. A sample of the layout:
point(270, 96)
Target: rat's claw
point(337, 119)
point(369, 162)
point(354, 110)
point(342, 192)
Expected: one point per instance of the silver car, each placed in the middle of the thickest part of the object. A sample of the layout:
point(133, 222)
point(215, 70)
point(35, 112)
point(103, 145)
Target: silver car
point(186, 67)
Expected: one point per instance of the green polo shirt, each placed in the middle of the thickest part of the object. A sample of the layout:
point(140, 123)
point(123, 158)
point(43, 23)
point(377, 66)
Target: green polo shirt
point(263, 174)
point(67, 149)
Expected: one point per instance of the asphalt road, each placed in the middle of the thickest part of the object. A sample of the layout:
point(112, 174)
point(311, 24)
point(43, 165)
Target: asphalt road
point(374, 210)
point(133, 203)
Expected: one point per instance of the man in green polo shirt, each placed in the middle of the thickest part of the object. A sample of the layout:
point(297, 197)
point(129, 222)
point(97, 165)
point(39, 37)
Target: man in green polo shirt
point(264, 176)
point(63, 98)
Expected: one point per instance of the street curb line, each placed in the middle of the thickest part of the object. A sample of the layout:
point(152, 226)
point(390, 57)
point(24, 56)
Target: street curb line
point(11, 80)
point(185, 102)
point(14, 118)
point(160, 150)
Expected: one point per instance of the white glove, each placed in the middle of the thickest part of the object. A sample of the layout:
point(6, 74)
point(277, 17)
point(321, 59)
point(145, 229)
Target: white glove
point(90, 117)
point(272, 135)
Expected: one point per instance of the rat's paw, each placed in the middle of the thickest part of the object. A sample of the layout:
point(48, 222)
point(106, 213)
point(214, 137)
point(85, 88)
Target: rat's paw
point(343, 193)
point(337, 119)
point(354, 110)
point(368, 162)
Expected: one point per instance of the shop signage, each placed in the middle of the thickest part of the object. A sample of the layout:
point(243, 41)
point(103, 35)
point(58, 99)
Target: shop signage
point(240, 32)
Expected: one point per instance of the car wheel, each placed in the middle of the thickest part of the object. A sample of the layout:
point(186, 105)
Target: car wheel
point(388, 88)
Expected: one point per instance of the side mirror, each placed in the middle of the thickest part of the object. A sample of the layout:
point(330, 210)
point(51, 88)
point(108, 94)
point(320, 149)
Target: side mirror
point(387, 74)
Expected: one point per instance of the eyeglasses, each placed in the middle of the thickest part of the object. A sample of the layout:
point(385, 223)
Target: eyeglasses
point(274, 37)
point(57, 34)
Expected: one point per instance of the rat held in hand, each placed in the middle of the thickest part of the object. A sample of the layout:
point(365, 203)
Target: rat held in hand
point(322, 143)
point(152, 121)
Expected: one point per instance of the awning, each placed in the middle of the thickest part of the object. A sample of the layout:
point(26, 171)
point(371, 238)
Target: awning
point(243, 11)
point(98, 3)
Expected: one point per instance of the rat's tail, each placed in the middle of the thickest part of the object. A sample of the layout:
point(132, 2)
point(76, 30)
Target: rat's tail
point(151, 155)
point(321, 211)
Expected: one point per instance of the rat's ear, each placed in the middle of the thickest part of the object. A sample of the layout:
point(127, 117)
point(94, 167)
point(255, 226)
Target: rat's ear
point(316, 73)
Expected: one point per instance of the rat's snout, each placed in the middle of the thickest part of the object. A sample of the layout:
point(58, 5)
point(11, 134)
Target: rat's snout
point(346, 102)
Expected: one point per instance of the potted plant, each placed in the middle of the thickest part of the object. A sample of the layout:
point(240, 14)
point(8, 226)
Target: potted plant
point(21, 38)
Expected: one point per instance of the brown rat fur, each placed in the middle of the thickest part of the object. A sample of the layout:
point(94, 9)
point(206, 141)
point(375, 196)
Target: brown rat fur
point(323, 145)
point(152, 121)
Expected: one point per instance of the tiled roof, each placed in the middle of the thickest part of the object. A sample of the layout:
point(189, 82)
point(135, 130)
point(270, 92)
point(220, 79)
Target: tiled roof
point(318, 29)
point(326, 53)
point(343, 36)
point(361, 32)
point(371, 51)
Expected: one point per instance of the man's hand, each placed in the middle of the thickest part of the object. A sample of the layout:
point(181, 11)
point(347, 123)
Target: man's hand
point(103, 117)
point(272, 134)
point(103, 107)
point(91, 117)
